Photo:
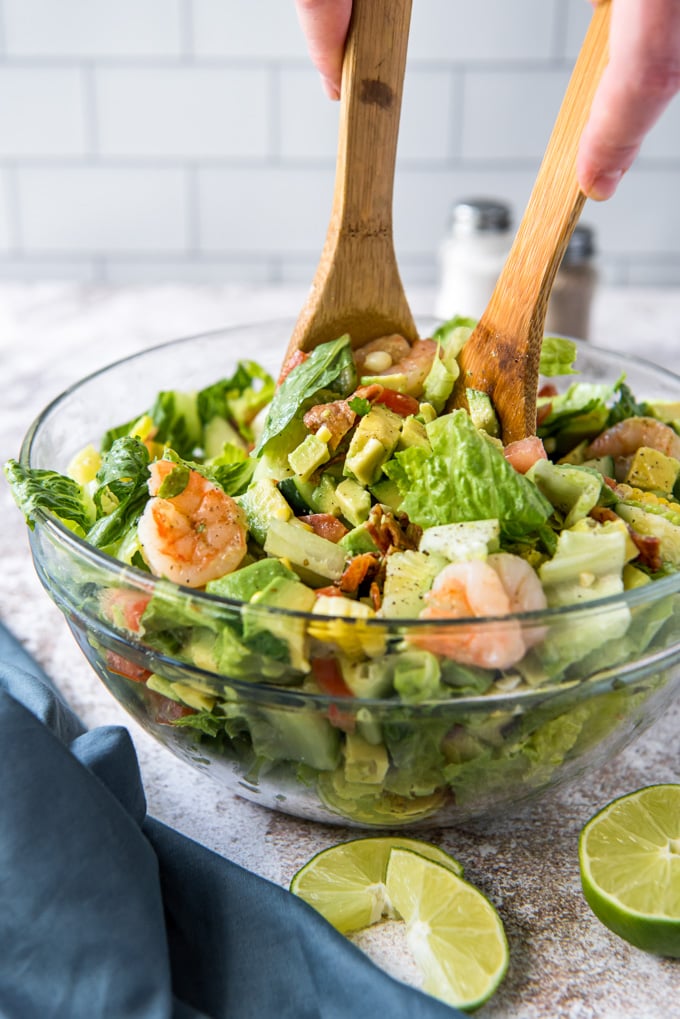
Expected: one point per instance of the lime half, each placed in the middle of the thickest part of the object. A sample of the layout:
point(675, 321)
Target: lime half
point(455, 934)
point(346, 883)
point(629, 856)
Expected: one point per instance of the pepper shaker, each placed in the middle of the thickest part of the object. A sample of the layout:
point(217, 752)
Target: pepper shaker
point(572, 294)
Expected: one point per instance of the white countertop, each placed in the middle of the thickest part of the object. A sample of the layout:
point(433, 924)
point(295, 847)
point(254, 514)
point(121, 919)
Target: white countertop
point(564, 964)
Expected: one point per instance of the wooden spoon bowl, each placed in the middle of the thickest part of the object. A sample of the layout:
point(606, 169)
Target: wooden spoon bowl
point(357, 288)
point(501, 357)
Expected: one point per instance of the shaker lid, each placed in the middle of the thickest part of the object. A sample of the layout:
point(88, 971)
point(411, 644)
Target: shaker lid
point(480, 215)
point(581, 247)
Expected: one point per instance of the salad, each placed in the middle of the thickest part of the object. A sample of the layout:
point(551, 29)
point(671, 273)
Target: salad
point(361, 544)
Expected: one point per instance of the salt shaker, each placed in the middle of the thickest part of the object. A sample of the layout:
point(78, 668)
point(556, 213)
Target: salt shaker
point(572, 293)
point(472, 256)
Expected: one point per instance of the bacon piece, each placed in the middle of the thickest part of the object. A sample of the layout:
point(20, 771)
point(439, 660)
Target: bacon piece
point(392, 531)
point(524, 453)
point(338, 417)
point(357, 570)
point(326, 526)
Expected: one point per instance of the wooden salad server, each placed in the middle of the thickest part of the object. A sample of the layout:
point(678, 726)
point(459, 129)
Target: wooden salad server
point(501, 357)
point(357, 288)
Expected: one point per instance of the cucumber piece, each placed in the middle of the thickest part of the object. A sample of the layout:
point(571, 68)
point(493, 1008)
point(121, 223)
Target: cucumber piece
point(303, 548)
point(263, 504)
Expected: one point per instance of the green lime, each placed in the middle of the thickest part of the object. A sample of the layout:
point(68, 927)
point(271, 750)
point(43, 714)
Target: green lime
point(455, 934)
point(346, 883)
point(629, 856)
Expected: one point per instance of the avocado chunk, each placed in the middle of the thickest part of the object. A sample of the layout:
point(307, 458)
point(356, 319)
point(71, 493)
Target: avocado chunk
point(364, 762)
point(358, 540)
point(413, 433)
point(262, 503)
point(375, 439)
point(658, 526)
point(302, 735)
point(354, 502)
point(249, 580)
point(284, 593)
point(652, 470)
point(309, 456)
point(481, 411)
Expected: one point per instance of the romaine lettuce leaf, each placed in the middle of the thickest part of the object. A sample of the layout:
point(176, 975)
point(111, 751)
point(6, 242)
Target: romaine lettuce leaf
point(50, 491)
point(239, 398)
point(465, 477)
point(581, 400)
point(557, 357)
point(121, 494)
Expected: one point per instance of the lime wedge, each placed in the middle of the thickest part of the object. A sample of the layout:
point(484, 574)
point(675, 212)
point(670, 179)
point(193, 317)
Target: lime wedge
point(346, 883)
point(629, 855)
point(455, 934)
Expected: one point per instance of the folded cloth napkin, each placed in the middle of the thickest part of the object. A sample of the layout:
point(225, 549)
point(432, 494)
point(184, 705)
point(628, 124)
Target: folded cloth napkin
point(106, 912)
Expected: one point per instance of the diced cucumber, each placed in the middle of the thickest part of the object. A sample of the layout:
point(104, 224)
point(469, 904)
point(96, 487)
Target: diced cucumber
point(303, 548)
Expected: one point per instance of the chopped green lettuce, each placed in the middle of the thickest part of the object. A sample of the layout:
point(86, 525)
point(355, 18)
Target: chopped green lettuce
point(52, 492)
point(557, 356)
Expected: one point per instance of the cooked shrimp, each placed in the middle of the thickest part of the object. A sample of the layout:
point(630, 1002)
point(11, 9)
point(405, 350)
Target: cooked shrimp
point(195, 536)
point(393, 355)
point(499, 586)
point(624, 438)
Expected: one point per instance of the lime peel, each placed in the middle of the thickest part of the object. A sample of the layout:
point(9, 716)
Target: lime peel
point(630, 868)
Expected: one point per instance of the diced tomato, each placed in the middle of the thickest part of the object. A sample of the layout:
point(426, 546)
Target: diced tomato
point(326, 526)
point(296, 358)
point(327, 674)
point(124, 667)
point(124, 607)
point(524, 453)
point(400, 403)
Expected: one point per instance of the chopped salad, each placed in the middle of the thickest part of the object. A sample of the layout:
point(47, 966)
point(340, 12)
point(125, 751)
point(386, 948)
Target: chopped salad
point(347, 493)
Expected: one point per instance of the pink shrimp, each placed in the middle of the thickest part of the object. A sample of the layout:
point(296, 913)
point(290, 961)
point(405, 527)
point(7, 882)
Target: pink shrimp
point(625, 437)
point(499, 586)
point(394, 355)
point(192, 537)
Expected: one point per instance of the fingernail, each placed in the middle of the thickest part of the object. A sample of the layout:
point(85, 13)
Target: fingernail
point(331, 90)
point(605, 185)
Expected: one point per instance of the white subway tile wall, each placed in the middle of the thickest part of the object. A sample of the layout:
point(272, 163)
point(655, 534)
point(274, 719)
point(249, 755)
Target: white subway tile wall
point(152, 140)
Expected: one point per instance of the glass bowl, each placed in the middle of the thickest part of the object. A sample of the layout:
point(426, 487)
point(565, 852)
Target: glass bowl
point(207, 678)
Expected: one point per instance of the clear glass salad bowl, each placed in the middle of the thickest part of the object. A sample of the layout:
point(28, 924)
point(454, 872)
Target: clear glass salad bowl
point(387, 755)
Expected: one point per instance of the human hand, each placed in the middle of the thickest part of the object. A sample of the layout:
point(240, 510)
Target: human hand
point(325, 24)
point(641, 78)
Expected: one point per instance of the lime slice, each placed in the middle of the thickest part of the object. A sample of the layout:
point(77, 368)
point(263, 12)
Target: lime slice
point(629, 856)
point(455, 934)
point(346, 883)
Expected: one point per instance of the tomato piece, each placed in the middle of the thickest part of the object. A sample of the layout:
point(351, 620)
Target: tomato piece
point(326, 526)
point(329, 677)
point(124, 608)
point(165, 711)
point(400, 403)
point(124, 667)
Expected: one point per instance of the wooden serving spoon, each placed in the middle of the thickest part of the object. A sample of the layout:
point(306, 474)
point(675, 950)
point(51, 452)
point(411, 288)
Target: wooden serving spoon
point(357, 288)
point(501, 356)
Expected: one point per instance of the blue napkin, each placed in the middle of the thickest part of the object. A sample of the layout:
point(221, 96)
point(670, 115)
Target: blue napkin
point(105, 912)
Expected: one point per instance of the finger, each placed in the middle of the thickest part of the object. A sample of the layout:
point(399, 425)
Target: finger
point(641, 78)
point(325, 24)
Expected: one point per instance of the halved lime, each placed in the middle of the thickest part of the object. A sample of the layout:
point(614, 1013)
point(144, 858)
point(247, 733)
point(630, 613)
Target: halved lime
point(455, 934)
point(346, 883)
point(629, 855)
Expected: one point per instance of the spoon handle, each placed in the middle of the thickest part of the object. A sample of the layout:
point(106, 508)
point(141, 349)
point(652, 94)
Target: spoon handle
point(556, 200)
point(357, 288)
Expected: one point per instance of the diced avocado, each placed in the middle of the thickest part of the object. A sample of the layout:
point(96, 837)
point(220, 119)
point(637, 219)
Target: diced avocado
point(243, 584)
point(652, 470)
point(413, 434)
point(182, 693)
point(577, 455)
point(262, 504)
point(200, 649)
point(309, 456)
point(387, 493)
point(469, 539)
point(571, 489)
point(282, 593)
point(364, 762)
point(482, 412)
point(667, 411)
point(272, 462)
point(358, 540)
point(427, 413)
point(217, 433)
point(354, 501)
point(303, 548)
point(396, 380)
point(633, 577)
point(656, 525)
point(323, 496)
point(375, 439)
point(408, 575)
point(296, 735)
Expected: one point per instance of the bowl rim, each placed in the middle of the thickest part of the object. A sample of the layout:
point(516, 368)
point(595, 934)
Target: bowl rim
point(140, 579)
